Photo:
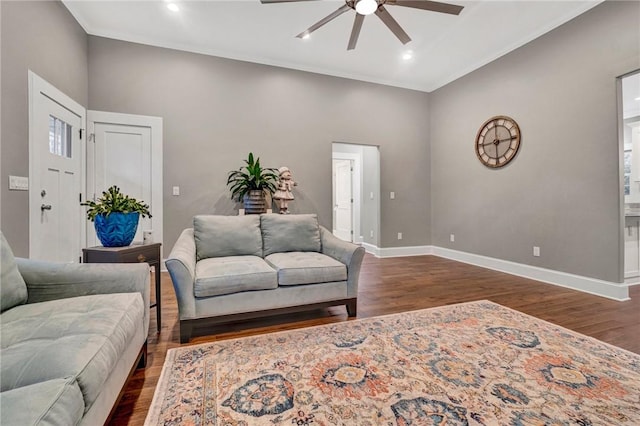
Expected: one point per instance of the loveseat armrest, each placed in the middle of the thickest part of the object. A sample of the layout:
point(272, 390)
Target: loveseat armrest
point(348, 253)
point(181, 265)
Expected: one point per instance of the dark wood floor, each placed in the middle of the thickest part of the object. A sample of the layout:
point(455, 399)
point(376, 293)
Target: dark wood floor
point(395, 285)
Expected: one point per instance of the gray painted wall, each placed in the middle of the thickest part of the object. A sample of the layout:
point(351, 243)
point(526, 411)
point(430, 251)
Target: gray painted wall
point(44, 37)
point(371, 183)
point(216, 110)
point(562, 191)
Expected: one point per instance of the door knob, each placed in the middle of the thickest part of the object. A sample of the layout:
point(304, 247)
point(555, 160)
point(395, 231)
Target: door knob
point(45, 207)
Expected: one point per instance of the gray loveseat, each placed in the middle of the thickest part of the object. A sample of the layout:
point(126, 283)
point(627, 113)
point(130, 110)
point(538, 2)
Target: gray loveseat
point(70, 335)
point(229, 268)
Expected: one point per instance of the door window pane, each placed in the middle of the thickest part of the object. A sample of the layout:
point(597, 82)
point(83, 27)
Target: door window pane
point(59, 137)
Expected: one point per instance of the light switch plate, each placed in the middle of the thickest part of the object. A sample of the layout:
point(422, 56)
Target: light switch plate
point(18, 183)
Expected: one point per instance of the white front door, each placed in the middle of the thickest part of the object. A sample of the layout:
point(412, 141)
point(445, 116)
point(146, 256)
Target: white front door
point(126, 150)
point(342, 199)
point(56, 224)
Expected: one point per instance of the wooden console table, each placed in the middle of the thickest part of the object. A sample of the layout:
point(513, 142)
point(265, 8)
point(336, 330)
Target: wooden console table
point(135, 253)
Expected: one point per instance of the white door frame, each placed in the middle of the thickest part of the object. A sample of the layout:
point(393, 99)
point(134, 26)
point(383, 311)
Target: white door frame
point(356, 192)
point(38, 86)
point(155, 124)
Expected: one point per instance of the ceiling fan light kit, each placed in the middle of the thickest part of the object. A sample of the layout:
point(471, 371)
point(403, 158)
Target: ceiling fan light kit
point(367, 7)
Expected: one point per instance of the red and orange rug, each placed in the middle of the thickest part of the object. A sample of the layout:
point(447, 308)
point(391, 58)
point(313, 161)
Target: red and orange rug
point(469, 364)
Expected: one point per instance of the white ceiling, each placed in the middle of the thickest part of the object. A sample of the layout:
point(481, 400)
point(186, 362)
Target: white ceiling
point(444, 47)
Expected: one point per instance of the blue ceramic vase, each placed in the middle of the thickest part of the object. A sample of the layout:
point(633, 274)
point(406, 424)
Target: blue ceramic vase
point(116, 229)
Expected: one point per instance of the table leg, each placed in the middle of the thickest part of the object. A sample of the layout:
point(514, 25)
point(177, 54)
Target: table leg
point(158, 296)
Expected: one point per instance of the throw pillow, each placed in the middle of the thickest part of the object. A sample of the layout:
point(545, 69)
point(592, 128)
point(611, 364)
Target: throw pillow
point(285, 233)
point(218, 236)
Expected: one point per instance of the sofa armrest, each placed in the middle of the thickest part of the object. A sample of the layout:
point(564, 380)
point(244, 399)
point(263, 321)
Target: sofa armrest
point(53, 280)
point(348, 253)
point(181, 265)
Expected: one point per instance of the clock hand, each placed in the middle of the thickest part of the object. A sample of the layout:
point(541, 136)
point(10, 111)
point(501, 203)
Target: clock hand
point(507, 139)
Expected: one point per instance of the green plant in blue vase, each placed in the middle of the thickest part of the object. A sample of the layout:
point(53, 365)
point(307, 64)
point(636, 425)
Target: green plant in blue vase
point(115, 217)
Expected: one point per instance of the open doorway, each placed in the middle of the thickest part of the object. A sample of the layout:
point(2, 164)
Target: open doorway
point(356, 193)
point(630, 145)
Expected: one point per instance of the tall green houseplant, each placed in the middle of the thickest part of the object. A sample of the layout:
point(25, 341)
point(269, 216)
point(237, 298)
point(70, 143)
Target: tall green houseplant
point(250, 183)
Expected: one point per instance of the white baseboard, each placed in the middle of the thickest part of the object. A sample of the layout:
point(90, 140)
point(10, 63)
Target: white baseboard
point(610, 290)
point(396, 251)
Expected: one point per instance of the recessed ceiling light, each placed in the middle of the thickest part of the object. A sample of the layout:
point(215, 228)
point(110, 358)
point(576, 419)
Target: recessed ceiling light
point(173, 7)
point(638, 98)
point(407, 55)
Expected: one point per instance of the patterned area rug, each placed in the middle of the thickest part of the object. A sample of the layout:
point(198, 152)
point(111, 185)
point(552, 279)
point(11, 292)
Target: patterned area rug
point(470, 364)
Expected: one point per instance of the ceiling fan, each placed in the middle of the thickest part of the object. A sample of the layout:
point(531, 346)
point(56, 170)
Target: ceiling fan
point(367, 7)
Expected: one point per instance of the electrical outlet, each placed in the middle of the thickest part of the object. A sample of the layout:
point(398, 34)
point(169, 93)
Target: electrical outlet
point(536, 251)
point(399, 235)
point(176, 190)
point(371, 195)
point(371, 233)
point(452, 238)
point(392, 195)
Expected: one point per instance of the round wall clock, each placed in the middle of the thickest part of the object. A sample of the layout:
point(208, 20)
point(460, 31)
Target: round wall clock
point(498, 141)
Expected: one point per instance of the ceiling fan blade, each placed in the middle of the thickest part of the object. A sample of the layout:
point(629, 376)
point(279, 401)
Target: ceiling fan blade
point(433, 6)
point(392, 24)
point(355, 32)
point(324, 20)
point(281, 1)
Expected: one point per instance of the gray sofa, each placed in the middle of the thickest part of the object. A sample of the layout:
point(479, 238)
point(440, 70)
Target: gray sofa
point(70, 337)
point(229, 268)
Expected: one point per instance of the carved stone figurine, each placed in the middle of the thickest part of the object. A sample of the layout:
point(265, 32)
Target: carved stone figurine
point(285, 186)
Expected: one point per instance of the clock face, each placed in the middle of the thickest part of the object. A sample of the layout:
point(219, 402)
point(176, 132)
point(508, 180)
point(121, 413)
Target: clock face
point(498, 141)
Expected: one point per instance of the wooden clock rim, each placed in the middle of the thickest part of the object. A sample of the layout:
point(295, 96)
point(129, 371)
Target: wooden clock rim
point(498, 117)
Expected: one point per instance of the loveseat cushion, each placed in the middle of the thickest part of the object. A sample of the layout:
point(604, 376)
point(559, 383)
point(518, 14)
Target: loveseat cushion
point(225, 275)
point(218, 236)
point(306, 268)
point(284, 233)
point(13, 290)
point(53, 402)
point(81, 337)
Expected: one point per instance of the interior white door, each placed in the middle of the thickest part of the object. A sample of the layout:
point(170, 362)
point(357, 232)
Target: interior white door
point(343, 199)
point(126, 151)
point(56, 225)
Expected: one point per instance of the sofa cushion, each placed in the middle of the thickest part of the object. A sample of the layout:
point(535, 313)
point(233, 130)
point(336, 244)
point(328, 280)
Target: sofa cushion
point(81, 337)
point(306, 268)
point(13, 290)
point(284, 233)
point(53, 402)
point(233, 274)
point(218, 236)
